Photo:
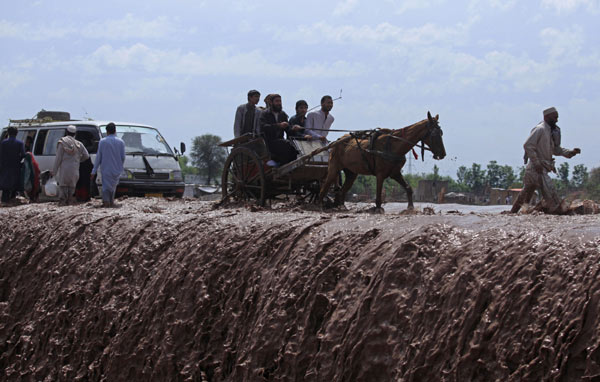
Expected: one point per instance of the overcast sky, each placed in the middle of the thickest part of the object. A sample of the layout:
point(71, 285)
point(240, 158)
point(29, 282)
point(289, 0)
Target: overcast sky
point(487, 67)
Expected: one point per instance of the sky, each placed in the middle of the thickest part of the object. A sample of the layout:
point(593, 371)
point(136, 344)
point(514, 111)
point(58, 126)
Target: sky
point(487, 67)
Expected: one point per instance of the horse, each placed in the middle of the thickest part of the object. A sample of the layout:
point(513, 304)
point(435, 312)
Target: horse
point(381, 153)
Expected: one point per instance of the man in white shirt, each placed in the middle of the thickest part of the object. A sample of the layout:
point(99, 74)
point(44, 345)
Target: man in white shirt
point(542, 144)
point(319, 122)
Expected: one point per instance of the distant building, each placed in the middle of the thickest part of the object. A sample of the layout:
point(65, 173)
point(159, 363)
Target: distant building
point(431, 191)
point(502, 196)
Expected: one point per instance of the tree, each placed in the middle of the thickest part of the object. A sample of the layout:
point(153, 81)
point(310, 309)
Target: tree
point(475, 178)
point(508, 176)
point(563, 175)
point(207, 156)
point(186, 169)
point(460, 175)
point(592, 187)
point(580, 176)
point(494, 173)
point(436, 172)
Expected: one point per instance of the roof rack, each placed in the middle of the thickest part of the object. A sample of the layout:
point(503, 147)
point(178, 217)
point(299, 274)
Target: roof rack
point(43, 116)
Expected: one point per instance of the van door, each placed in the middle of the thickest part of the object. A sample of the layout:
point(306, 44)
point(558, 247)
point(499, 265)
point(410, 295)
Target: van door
point(45, 147)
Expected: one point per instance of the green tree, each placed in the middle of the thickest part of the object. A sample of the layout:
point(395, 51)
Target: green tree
point(460, 175)
point(508, 176)
point(592, 187)
point(494, 174)
point(563, 175)
point(207, 156)
point(580, 176)
point(186, 169)
point(475, 178)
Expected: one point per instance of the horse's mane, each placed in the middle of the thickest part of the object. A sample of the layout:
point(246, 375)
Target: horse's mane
point(399, 131)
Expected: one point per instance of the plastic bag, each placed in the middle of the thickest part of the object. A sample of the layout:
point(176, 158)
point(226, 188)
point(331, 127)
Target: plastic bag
point(51, 187)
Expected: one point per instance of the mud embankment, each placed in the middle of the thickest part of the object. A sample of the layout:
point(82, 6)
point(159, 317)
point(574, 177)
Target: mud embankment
point(176, 291)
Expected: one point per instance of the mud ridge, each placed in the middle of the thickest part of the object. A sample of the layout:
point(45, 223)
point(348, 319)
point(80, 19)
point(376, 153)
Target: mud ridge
point(184, 292)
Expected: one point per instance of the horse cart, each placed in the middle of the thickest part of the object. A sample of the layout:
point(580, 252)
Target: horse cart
point(247, 177)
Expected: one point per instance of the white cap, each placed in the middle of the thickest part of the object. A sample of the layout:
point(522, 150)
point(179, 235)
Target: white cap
point(550, 111)
point(71, 129)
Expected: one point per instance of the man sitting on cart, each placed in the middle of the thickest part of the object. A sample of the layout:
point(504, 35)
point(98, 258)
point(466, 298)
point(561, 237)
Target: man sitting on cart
point(273, 123)
point(297, 122)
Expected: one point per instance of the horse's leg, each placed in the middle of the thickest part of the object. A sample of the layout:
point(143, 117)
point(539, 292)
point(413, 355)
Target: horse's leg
point(340, 196)
point(332, 174)
point(409, 191)
point(378, 199)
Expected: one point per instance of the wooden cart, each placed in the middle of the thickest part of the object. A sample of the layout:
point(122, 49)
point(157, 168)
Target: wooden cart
point(246, 176)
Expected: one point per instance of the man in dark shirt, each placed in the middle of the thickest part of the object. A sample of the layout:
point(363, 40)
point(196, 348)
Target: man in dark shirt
point(296, 123)
point(12, 151)
point(246, 116)
point(273, 123)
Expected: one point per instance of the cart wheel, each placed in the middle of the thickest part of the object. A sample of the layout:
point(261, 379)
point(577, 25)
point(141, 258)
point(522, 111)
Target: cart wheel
point(243, 177)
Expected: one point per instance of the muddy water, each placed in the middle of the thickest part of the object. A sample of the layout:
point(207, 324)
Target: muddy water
point(160, 290)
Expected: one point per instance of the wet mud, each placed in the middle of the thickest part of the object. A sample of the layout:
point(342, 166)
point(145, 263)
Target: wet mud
point(177, 290)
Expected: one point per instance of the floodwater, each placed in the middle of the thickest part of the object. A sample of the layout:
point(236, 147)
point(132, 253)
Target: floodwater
point(180, 290)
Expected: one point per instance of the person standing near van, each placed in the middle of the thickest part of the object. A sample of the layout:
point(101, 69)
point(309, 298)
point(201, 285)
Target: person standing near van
point(110, 159)
point(69, 154)
point(12, 152)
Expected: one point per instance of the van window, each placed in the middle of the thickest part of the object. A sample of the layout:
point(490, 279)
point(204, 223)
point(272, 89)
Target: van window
point(25, 135)
point(88, 135)
point(39, 143)
point(52, 140)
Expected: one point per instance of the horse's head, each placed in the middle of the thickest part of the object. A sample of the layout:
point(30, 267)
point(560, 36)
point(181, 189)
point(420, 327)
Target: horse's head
point(433, 138)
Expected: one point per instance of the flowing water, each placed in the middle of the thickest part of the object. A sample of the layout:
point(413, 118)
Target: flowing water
point(177, 290)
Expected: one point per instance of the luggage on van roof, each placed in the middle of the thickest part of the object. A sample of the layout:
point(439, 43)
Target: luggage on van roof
point(44, 116)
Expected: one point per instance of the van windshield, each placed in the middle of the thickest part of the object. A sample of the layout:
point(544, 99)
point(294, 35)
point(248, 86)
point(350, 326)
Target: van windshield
point(141, 140)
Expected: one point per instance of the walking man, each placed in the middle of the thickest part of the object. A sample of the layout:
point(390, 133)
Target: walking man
point(543, 142)
point(110, 159)
point(319, 122)
point(12, 152)
point(69, 153)
point(246, 116)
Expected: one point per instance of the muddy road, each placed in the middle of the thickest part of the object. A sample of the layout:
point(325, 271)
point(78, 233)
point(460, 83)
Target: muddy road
point(176, 290)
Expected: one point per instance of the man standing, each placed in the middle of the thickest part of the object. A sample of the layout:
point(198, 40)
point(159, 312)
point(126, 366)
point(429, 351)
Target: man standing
point(298, 121)
point(273, 123)
point(12, 151)
point(110, 159)
point(543, 142)
point(246, 116)
point(69, 153)
point(319, 122)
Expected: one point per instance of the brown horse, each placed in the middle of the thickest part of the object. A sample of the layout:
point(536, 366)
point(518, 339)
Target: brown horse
point(383, 157)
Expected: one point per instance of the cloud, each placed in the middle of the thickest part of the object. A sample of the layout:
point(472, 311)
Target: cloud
point(344, 7)
point(403, 6)
point(129, 27)
point(571, 5)
point(566, 43)
point(366, 35)
point(11, 80)
point(219, 61)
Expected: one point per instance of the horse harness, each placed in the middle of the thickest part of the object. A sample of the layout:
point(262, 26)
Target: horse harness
point(387, 154)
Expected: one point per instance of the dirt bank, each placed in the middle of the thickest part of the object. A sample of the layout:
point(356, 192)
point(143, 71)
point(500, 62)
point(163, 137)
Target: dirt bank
point(160, 290)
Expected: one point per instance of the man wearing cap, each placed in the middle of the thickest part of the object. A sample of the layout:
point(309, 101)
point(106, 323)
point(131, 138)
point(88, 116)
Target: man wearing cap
point(319, 122)
point(543, 142)
point(69, 153)
point(110, 159)
point(246, 116)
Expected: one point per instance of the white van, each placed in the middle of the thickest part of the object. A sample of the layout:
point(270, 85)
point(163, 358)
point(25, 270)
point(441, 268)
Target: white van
point(151, 168)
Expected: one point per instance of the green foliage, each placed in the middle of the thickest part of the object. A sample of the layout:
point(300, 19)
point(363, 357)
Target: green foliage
point(592, 186)
point(580, 177)
point(186, 169)
point(207, 156)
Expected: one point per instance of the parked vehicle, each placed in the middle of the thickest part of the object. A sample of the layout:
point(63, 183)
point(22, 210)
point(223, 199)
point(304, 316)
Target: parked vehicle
point(151, 168)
